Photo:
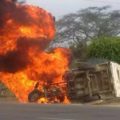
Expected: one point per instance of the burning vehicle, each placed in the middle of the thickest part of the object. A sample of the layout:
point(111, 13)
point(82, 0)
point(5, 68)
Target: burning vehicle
point(26, 68)
point(50, 93)
point(89, 82)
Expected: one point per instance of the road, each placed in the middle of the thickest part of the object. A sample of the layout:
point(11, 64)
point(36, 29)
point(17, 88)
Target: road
point(17, 111)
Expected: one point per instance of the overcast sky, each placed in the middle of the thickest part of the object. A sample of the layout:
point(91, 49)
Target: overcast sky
point(61, 7)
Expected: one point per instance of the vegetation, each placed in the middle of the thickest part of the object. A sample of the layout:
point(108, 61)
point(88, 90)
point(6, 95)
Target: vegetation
point(105, 47)
point(76, 29)
point(88, 23)
point(5, 92)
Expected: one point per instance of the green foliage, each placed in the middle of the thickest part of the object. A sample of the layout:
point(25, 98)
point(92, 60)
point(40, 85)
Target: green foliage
point(105, 47)
point(5, 92)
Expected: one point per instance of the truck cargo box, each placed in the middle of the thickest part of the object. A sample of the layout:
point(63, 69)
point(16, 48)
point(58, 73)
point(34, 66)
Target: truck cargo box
point(99, 82)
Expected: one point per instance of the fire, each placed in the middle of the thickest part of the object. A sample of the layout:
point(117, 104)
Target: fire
point(25, 66)
point(43, 100)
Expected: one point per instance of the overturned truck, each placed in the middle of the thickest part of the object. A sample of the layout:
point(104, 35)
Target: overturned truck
point(84, 84)
point(97, 82)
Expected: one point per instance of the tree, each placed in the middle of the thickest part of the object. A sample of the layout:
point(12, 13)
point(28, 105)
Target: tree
point(105, 47)
point(88, 23)
point(79, 51)
point(75, 29)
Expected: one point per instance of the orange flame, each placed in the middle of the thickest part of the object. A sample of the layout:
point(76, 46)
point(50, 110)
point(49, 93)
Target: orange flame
point(23, 60)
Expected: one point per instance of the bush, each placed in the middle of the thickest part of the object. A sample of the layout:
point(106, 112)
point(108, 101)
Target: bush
point(105, 48)
point(5, 92)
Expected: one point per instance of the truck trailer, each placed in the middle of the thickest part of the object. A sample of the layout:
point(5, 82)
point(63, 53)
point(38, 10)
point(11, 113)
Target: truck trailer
point(101, 81)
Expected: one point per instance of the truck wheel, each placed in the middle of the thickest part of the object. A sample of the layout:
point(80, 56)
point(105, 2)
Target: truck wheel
point(34, 96)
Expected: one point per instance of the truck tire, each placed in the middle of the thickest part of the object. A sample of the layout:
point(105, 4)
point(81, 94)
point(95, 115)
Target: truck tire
point(34, 96)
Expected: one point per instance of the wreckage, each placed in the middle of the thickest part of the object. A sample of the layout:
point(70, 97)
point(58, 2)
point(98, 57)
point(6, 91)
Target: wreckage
point(50, 94)
point(88, 83)
point(85, 83)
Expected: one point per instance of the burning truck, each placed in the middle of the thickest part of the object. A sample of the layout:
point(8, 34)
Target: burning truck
point(30, 72)
point(51, 93)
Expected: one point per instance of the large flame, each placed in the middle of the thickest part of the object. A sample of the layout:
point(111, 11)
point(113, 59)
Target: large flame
point(25, 32)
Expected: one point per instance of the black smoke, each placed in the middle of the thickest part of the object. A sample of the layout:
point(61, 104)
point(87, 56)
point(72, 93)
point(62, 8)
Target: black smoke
point(9, 10)
point(13, 61)
point(18, 59)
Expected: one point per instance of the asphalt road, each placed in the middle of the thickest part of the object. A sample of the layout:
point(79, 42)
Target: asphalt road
point(17, 111)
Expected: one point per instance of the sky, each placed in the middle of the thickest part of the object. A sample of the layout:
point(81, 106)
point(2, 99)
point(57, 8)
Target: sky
point(61, 7)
